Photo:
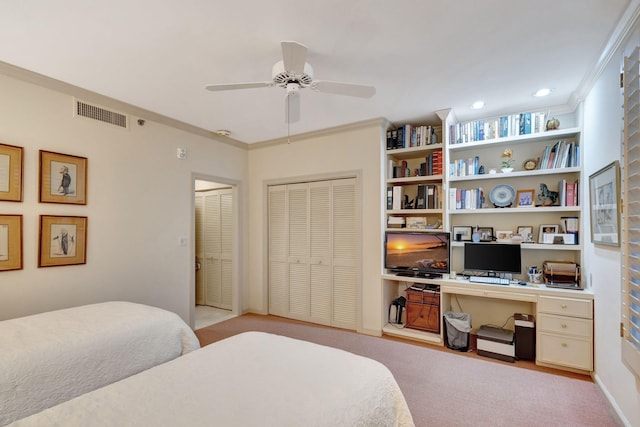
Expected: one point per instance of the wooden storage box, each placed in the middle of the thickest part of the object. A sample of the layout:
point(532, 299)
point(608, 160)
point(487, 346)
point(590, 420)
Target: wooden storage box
point(423, 308)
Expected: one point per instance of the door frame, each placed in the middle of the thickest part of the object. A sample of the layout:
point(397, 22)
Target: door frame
point(236, 298)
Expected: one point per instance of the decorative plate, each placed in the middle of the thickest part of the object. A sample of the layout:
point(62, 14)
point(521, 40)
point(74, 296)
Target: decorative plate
point(502, 195)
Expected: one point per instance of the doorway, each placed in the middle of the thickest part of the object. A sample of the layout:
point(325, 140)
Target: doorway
point(215, 240)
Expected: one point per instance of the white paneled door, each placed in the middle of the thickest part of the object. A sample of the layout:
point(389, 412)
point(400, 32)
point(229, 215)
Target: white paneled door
point(214, 226)
point(313, 252)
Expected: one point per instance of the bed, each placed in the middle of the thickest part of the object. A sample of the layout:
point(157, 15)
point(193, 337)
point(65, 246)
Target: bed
point(250, 379)
point(49, 358)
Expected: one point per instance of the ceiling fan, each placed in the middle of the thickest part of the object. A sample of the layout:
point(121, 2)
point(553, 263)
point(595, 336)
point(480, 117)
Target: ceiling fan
point(293, 73)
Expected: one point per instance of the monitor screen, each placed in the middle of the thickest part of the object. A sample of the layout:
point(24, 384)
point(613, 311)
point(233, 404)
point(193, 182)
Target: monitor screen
point(418, 253)
point(492, 257)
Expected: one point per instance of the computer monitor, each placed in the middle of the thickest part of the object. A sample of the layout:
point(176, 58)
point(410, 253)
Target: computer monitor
point(492, 258)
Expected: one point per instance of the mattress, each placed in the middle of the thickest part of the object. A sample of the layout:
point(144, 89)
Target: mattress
point(250, 379)
point(49, 358)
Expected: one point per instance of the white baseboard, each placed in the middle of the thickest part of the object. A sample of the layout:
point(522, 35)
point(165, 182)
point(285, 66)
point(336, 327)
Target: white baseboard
point(611, 401)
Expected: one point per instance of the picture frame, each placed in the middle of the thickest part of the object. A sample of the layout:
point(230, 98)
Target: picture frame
point(486, 234)
point(10, 242)
point(63, 240)
point(525, 198)
point(11, 173)
point(463, 231)
point(526, 232)
point(604, 198)
point(547, 229)
point(504, 236)
point(63, 178)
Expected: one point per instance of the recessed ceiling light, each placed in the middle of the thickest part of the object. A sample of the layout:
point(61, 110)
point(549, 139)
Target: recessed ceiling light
point(478, 104)
point(542, 92)
point(223, 132)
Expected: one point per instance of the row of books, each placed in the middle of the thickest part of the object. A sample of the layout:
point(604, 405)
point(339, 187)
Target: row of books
point(568, 193)
point(465, 167)
point(427, 197)
point(407, 136)
point(431, 166)
point(499, 127)
point(461, 198)
point(562, 154)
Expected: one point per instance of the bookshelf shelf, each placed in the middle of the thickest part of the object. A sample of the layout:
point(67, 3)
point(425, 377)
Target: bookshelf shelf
point(516, 174)
point(511, 140)
point(509, 211)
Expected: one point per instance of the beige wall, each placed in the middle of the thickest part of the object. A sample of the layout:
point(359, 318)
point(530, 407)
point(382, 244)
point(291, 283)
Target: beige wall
point(139, 204)
point(355, 150)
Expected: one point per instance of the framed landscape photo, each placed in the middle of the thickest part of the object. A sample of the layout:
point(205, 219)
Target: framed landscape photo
point(461, 233)
point(63, 178)
point(11, 163)
point(63, 240)
point(524, 198)
point(604, 195)
point(10, 242)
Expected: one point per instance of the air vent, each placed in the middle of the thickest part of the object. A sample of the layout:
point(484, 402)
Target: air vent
point(98, 113)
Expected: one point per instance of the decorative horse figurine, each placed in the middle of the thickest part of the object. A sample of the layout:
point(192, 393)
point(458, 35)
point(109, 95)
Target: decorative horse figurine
point(545, 194)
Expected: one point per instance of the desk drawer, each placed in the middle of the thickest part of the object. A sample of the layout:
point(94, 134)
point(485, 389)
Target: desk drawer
point(565, 351)
point(565, 325)
point(566, 306)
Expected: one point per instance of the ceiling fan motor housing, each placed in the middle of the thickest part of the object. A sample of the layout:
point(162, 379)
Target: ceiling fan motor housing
point(282, 77)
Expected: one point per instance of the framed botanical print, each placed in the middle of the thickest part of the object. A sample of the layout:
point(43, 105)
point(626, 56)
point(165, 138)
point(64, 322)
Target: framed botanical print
point(63, 240)
point(10, 242)
point(63, 178)
point(11, 163)
point(604, 194)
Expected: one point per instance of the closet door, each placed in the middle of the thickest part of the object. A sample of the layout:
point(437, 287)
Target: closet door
point(313, 253)
point(218, 248)
point(278, 251)
point(199, 205)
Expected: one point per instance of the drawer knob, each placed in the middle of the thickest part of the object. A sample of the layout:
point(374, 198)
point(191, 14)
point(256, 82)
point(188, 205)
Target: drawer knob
point(564, 326)
point(564, 344)
point(564, 306)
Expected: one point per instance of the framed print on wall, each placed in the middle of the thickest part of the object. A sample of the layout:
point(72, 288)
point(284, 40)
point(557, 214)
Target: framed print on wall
point(10, 242)
point(63, 178)
point(11, 163)
point(63, 240)
point(604, 196)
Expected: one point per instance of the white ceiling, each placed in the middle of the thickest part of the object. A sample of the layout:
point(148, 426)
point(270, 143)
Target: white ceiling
point(421, 55)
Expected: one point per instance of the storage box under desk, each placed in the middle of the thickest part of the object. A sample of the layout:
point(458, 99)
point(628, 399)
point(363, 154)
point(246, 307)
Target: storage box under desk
point(423, 308)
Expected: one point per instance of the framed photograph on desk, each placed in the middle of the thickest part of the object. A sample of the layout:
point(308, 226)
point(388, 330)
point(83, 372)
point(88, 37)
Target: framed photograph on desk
point(486, 234)
point(461, 233)
point(547, 229)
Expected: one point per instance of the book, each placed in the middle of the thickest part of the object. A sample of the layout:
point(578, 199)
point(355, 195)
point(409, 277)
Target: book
point(397, 197)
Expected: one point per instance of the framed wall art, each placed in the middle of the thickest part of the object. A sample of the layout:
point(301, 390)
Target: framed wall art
point(524, 198)
point(63, 178)
point(63, 240)
point(10, 242)
point(604, 196)
point(11, 163)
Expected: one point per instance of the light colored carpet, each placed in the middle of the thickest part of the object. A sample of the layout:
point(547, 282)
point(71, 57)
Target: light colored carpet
point(444, 388)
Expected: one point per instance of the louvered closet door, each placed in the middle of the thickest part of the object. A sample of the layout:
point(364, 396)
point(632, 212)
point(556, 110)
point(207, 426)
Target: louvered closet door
point(199, 205)
point(278, 251)
point(345, 254)
point(313, 252)
point(218, 248)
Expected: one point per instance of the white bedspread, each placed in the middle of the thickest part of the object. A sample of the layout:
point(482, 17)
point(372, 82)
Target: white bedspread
point(251, 379)
point(49, 358)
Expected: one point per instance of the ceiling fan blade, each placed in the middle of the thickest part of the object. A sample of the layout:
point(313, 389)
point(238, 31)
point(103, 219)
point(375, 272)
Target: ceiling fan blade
point(294, 56)
point(343, 88)
point(292, 107)
point(233, 86)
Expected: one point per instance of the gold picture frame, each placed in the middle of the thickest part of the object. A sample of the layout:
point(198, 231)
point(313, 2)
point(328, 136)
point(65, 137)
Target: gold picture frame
point(10, 242)
point(63, 178)
point(63, 240)
point(11, 166)
point(524, 198)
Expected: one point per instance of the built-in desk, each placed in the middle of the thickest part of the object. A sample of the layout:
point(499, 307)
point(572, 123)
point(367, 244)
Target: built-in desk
point(564, 317)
